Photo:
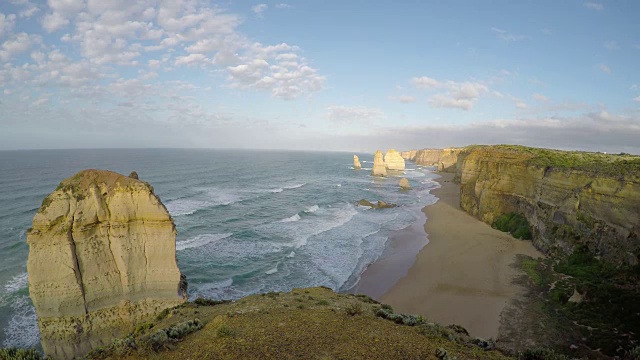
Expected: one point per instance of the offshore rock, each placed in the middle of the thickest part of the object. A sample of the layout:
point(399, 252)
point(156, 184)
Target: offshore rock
point(393, 160)
point(379, 205)
point(102, 259)
point(379, 168)
point(409, 155)
point(404, 184)
point(356, 162)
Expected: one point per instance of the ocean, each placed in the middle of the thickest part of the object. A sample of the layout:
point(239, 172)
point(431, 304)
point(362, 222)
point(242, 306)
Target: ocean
point(248, 221)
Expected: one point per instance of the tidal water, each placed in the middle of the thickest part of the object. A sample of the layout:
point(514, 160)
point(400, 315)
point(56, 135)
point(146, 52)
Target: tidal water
point(248, 221)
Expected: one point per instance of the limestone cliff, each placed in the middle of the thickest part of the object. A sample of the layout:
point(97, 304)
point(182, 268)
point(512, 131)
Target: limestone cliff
point(102, 258)
point(393, 160)
point(569, 198)
point(379, 168)
point(444, 159)
point(356, 162)
point(409, 155)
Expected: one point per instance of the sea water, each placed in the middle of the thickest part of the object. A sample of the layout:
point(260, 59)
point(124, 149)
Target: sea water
point(248, 221)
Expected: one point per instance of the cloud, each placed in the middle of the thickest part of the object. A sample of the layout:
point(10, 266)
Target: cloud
point(283, 6)
point(636, 99)
point(539, 97)
point(450, 102)
point(507, 36)
point(424, 82)
point(406, 99)
point(191, 59)
point(605, 69)
point(458, 95)
point(259, 9)
point(594, 6)
point(521, 105)
point(611, 45)
point(7, 22)
point(354, 114)
point(17, 44)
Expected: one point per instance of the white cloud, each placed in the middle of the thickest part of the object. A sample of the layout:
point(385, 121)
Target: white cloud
point(54, 21)
point(540, 97)
point(521, 105)
point(636, 99)
point(259, 9)
point(450, 102)
point(17, 44)
point(425, 82)
point(406, 99)
point(611, 45)
point(604, 68)
point(351, 114)
point(594, 6)
point(192, 59)
point(283, 6)
point(506, 35)
point(7, 22)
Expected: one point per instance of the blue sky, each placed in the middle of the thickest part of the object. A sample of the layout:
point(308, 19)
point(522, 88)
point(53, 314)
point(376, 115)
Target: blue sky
point(319, 75)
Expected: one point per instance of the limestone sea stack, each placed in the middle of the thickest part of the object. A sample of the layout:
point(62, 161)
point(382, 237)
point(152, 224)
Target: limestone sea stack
point(379, 168)
point(393, 160)
point(102, 259)
point(404, 184)
point(356, 162)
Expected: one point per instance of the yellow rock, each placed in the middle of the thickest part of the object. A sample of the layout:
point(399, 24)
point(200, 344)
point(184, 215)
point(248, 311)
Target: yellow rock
point(379, 168)
point(356, 162)
point(393, 160)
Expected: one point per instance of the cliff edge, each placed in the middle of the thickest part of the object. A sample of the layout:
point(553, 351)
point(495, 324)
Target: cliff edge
point(102, 258)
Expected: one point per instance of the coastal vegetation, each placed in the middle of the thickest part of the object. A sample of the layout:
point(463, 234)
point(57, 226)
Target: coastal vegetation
point(515, 224)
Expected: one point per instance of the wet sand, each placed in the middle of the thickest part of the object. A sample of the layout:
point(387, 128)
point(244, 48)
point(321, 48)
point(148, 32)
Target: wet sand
point(462, 276)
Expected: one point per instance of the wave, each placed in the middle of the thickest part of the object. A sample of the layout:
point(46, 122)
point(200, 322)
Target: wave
point(22, 328)
point(16, 283)
point(200, 240)
point(294, 186)
point(295, 217)
point(275, 191)
point(272, 271)
point(312, 209)
point(291, 254)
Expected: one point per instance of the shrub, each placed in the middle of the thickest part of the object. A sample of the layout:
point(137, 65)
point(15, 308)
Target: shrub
point(19, 354)
point(163, 314)
point(322, 302)
point(515, 224)
point(541, 354)
point(225, 331)
point(366, 299)
point(142, 328)
point(208, 302)
point(387, 307)
point(353, 309)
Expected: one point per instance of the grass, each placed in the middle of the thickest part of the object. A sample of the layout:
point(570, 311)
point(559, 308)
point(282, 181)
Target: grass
point(19, 354)
point(515, 224)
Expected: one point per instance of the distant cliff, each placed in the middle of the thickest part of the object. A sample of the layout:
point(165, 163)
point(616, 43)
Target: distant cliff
point(568, 198)
point(444, 159)
point(102, 259)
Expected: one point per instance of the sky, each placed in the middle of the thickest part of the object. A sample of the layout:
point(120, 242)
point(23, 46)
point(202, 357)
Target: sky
point(319, 75)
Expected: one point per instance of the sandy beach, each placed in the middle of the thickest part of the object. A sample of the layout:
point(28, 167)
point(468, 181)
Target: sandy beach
point(463, 275)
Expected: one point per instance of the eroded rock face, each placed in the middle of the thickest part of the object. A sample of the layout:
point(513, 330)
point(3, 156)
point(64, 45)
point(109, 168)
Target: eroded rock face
point(102, 259)
point(566, 206)
point(356, 162)
point(393, 160)
point(379, 168)
point(409, 155)
point(404, 184)
point(444, 159)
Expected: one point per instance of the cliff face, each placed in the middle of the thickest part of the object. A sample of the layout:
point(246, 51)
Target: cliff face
point(379, 168)
point(102, 258)
point(444, 159)
point(409, 155)
point(569, 199)
point(393, 160)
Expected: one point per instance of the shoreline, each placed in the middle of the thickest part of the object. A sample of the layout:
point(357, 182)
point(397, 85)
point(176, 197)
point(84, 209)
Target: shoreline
point(463, 275)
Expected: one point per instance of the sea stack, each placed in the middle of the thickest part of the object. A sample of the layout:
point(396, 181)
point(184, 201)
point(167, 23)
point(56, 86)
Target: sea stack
point(393, 160)
point(379, 168)
point(102, 259)
point(356, 162)
point(404, 184)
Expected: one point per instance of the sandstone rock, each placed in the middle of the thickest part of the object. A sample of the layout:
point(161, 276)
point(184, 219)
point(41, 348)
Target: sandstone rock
point(364, 202)
point(404, 184)
point(576, 297)
point(356, 162)
point(102, 259)
point(379, 205)
point(445, 159)
point(393, 160)
point(379, 168)
point(384, 205)
point(409, 155)
point(134, 175)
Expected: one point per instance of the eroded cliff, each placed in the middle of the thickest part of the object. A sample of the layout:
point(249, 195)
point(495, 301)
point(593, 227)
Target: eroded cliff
point(393, 160)
point(102, 259)
point(444, 159)
point(568, 198)
point(379, 168)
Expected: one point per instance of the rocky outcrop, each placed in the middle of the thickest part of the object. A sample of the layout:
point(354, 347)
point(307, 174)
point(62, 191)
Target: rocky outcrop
point(404, 184)
point(356, 162)
point(393, 161)
point(444, 159)
point(102, 259)
point(409, 155)
point(568, 198)
point(379, 168)
point(379, 205)
point(134, 175)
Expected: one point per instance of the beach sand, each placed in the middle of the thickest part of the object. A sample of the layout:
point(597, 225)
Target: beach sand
point(463, 275)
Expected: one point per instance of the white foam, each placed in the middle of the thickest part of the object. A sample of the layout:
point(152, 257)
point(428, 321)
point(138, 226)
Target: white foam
point(217, 285)
point(291, 254)
point(339, 185)
point(22, 329)
point(312, 209)
point(16, 283)
point(294, 186)
point(186, 206)
point(275, 191)
point(200, 240)
point(295, 217)
point(272, 271)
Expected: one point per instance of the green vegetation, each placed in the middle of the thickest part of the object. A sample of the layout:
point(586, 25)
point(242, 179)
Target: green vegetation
point(515, 224)
point(541, 354)
point(208, 302)
point(605, 311)
point(19, 354)
point(353, 309)
point(225, 331)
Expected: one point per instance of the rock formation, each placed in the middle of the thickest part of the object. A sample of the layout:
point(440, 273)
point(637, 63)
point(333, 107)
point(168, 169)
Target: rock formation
point(393, 160)
point(102, 259)
point(444, 159)
point(380, 205)
point(356, 162)
point(379, 168)
point(134, 175)
point(409, 155)
point(404, 184)
point(568, 198)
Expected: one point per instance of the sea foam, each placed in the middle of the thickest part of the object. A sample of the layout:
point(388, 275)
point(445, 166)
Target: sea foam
point(200, 240)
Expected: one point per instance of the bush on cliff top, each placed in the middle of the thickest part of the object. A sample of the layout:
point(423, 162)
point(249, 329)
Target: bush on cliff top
point(19, 354)
point(515, 224)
